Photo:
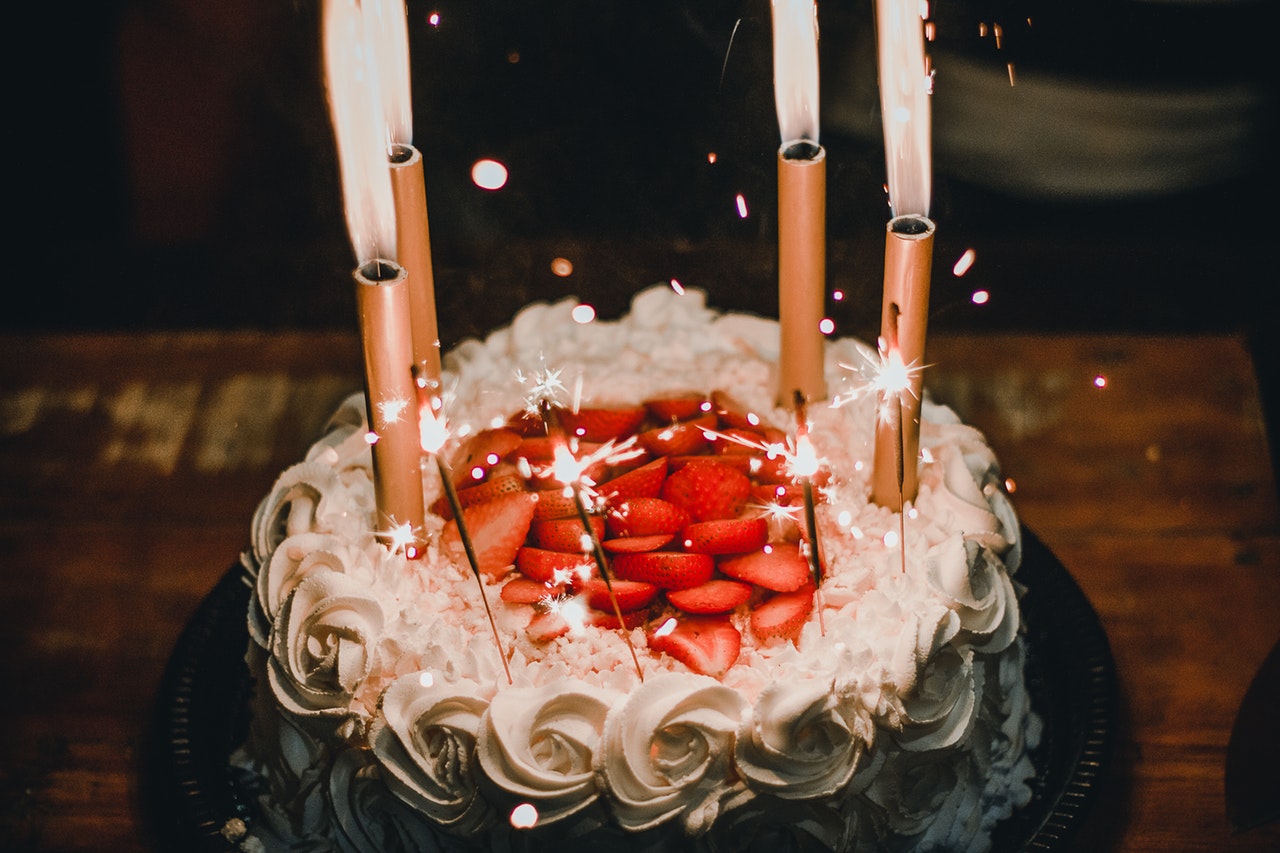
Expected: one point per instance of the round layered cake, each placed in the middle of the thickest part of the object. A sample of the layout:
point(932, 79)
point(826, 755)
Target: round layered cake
point(663, 654)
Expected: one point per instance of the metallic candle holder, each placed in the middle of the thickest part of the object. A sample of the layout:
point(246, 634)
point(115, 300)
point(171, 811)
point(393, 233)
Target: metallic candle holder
point(908, 264)
point(802, 269)
point(413, 239)
point(382, 300)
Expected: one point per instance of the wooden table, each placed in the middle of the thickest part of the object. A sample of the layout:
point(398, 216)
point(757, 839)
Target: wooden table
point(130, 465)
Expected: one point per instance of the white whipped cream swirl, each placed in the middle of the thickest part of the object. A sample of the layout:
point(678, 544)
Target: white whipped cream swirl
point(667, 751)
point(802, 740)
point(539, 744)
point(324, 645)
point(424, 738)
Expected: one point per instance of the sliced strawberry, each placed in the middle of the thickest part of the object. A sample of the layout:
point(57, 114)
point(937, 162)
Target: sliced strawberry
point(726, 535)
point(680, 439)
point(483, 451)
point(783, 615)
point(645, 517)
point(554, 567)
point(771, 470)
point(545, 627)
point(521, 590)
point(636, 544)
point(541, 449)
point(667, 410)
point(566, 534)
point(593, 424)
point(738, 440)
point(708, 490)
point(665, 569)
point(781, 494)
point(729, 460)
point(706, 644)
point(732, 413)
point(643, 482)
point(608, 620)
point(497, 529)
point(554, 503)
point(714, 596)
point(779, 567)
point(495, 487)
point(632, 595)
point(527, 424)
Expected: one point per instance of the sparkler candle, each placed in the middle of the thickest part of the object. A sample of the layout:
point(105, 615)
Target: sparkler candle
point(385, 22)
point(381, 283)
point(904, 104)
point(802, 179)
point(432, 436)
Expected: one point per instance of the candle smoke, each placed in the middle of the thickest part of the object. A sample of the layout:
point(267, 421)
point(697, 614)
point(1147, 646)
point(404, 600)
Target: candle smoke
point(795, 70)
point(356, 109)
point(904, 105)
point(387, 25)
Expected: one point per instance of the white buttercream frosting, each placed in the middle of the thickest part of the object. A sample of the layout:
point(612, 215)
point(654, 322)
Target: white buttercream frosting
point(906, 718)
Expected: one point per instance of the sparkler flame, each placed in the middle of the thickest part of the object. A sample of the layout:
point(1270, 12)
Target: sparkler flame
point(356, 108)
point(795, 70)
point(387, 26)
point(905, 83)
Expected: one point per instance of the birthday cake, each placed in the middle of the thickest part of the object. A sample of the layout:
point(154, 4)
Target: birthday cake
point(753, 671)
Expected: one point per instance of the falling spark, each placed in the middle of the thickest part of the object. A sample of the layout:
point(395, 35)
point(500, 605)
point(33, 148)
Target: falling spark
point(742, 206)
point(711, 157)
point(371, 438)
point(677, 287)
point(964, 263)
point(666, 627)
point(583, 314)
point(981, 297)
point(562, 267)
point(426, 679)
point(1012, 76)
point(434, 19)
point(524, 816)
point(998, 32)
point(400, 536)
point(1010, 486)
point(826, 325)
point(837, 295)
point(1100, 381)
point(542, 385)
point(489, 174)
point(391, 411)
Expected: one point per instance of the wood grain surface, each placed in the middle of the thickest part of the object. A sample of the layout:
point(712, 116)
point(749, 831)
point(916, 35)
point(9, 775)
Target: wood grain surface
point(130, 466)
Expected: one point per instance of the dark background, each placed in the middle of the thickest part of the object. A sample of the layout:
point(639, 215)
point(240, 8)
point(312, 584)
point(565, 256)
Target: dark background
point(176, 166)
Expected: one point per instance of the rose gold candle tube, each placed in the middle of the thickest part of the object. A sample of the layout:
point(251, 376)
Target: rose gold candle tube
point(802, 270)
point(382, 299)
point(908, 264)
point(413, 242)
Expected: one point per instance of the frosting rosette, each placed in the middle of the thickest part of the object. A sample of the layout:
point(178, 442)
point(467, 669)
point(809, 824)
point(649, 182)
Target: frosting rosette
point(538, 744)
point(667, 751)
point(300, 497)
point(369, 819)
point(294, 560)
point(802, 740)
point(934, 796)
point(424, 738)
point(324, 644)
point(978, 589)
point(941, 708)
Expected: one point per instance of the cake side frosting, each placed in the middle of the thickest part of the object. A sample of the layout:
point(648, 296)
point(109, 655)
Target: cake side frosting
point(901, 716)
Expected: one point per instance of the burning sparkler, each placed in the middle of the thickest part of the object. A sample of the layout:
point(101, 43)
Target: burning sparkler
point(570, 470)
point(434, 432)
